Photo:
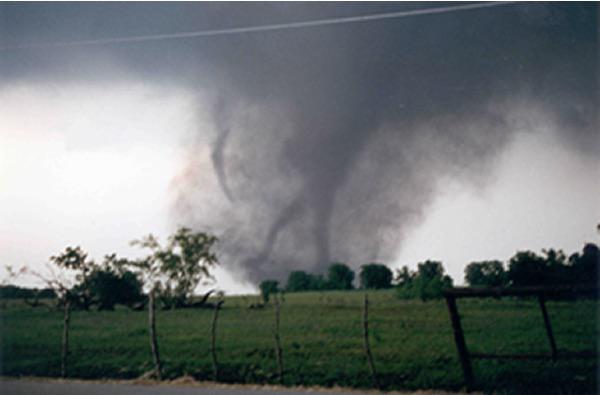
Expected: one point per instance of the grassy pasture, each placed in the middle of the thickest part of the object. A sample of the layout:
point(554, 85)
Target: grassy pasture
point(321, 333)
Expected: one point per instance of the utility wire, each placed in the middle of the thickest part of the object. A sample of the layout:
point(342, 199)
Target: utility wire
point(262, 28)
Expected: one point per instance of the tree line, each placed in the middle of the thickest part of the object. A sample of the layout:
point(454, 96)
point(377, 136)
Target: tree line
point(525, 268)
point(16, 292)
point(171, 271)
point(339, 277)
point(174, 270)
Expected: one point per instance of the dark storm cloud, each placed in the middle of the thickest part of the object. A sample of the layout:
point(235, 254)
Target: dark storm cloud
point(330, 141)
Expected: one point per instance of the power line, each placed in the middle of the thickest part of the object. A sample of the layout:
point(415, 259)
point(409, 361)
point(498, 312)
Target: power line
point(262, 28)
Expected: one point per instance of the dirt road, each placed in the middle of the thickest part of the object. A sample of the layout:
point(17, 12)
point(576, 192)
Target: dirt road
point(71, 387)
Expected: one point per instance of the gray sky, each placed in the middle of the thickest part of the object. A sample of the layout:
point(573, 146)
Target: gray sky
point(460, 136)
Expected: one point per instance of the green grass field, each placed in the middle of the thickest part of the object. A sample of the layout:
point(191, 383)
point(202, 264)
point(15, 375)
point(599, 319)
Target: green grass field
point(412, 343)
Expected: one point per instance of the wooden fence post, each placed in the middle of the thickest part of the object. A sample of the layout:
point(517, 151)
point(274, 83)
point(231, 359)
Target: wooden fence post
point(278, 350)
point(65, 338)
point(542, 301)
point(153, 341)
point(213, 342)
point(461, 345)
point(366, 342)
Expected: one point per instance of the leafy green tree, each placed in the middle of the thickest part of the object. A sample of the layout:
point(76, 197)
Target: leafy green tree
point(526, 268)
point(430, 269)
point(267, 288)
point(111, 284)
point(585, 265)
point(317, 283)
point(486, 274)
point(299, 280)
point(553, 268)
point(76, 261)
point(73, 259)
point(432, 288)
point(404, 276)
point(557, 271)
point(404, 283)
point(431, 280)
point(340, 276)
point(427, 283)
point(375, 276)
point(176, 269)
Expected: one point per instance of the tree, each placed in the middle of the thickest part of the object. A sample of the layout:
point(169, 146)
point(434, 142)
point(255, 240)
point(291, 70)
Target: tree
point(427, 283)
point(267, 288)
point(299, 280)
point(340, 276)
point(486, 274)
point(375, 276)
point(432, 288)
point(68, 271)
point(404, 276)
point(109, 286)
point(431, 280)
point(317, 282)
point(175, 270)
point(526, 269)
point(585, 265)
point(72, 260)
point(556, 270)
point(553, 268)
point(404, 283)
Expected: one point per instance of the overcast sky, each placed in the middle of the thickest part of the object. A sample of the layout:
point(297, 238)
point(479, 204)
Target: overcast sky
point(457, 136)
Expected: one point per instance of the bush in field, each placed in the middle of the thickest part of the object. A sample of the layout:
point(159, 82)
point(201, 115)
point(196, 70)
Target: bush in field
point(375, 276)
point(486, 274)
point(267, 288)
point(340, 276)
